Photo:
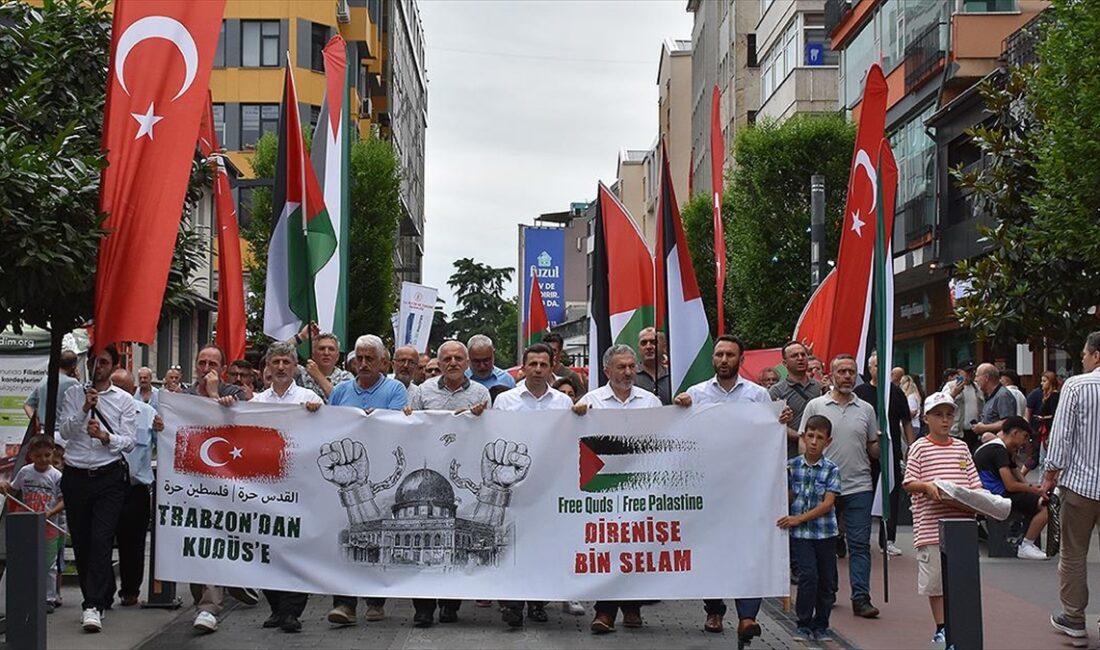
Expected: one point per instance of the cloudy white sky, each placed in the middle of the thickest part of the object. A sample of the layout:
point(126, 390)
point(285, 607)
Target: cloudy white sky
point(528, 105)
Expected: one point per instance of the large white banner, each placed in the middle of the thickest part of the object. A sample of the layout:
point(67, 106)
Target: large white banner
point(414, 319)
point(644, 504)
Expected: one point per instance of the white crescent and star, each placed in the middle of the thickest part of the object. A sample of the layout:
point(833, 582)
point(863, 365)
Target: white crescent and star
point(170, 30)
point(864, 161)
point(204, 451)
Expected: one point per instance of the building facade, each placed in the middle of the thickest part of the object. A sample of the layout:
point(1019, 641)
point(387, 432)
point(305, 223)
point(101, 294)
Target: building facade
point(798, 68)
point(933, 53)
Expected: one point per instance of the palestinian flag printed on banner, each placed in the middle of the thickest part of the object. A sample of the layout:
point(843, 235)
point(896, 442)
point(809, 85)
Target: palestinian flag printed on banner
point(620, 259)
point(535, 324)
point(303, 239)
point(685, 321)
point(610, 463)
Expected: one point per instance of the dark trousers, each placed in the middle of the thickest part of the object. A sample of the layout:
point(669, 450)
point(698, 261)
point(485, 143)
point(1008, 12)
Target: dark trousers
point(746, 607)
point(518, 604)
point(287, 603)
point(612, 607)
point(133, 524)
point(350, 602)
point(817, 581)
point(427, 605)
point(93, 503)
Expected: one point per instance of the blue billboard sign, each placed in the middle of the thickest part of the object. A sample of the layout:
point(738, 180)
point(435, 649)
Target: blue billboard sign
point(544, 257)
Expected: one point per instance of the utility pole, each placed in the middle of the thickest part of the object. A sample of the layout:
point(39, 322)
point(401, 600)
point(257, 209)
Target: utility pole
point(817, 230)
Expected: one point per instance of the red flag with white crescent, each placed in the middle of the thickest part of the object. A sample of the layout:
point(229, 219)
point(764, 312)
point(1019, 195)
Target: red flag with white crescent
point(231, 451)
point(162, 52)
point(840, 324)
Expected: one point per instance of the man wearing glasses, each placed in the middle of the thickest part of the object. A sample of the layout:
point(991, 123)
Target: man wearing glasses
point(240, 374)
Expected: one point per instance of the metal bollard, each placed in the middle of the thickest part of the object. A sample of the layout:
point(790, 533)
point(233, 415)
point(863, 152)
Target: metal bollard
point(962, 589)
point(26, 575)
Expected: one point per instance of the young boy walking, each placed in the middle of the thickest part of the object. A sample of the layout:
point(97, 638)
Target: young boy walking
point(814, 483)
point(937, 456)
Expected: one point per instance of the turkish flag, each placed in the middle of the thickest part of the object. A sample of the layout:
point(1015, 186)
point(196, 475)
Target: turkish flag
point(230, 335)
point(162, 52)
point(231, 451)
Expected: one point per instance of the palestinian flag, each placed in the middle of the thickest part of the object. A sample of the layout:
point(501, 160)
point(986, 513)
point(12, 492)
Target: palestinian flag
point(689, 342)
point(535, 323)
point(882, 299)
point(620, 259)
point(331, 154)
point(609, 463)
point(303, 239)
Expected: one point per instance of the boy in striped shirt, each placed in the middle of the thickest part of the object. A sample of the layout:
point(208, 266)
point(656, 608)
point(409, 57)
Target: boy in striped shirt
point(937, 456)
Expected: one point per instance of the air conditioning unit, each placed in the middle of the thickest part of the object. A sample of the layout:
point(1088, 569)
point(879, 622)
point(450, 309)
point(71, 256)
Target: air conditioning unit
point(343, 12)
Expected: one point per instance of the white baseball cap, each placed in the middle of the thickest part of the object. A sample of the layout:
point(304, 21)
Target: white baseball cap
point(938, 399)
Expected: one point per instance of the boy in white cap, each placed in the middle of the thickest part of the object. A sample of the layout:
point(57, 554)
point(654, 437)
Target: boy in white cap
point(937, 456)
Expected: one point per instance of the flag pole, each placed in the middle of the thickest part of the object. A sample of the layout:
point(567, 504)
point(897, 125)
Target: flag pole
point(310, 301)
point(883, 369)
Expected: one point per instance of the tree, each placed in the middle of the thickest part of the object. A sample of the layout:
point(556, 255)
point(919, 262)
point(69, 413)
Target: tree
point(1040, 187)
point(698, 218)
point(766, 213)
point(482, 308)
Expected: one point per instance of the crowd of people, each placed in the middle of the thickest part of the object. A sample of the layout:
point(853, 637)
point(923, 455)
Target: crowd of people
point(93, 476)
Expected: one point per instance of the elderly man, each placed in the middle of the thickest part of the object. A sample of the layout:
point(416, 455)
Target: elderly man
point(796, 390)
point(370, 390)
point(133, 523)
point(1073, 464)
point(405, 359)
point(968, 403)
point(98, 426)
point(146, 391)
point(282, 360)
point(321, 374)
point(999, 403)
point(483, 367)
point(727, 386)
point(620, 366)
point(653, 376)
point(452, 391)
point(432, 369)
point(422, 368)
point(854, 444)
point(534, 394)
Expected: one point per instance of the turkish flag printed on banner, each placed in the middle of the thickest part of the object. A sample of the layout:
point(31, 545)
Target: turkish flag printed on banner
point(231, 451)
point(161, 55)
point(230, 328)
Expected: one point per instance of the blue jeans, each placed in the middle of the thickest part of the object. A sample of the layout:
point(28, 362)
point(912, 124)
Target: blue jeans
point(817, 580)
point(856, 511)
point(746, 607)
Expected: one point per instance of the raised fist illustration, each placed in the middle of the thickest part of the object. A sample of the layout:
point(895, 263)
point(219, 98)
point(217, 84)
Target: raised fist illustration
point(344, 463)
point(504, 464)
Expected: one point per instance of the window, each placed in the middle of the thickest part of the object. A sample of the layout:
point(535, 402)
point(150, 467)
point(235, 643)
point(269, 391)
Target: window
point(858, 57)
point(915, 153)
point(750, 46)
point(988, 6)
point(314, 115)
point(318, 38)
point(219, 54)
point(219, 123)
point(260, 43)
point(256, 120)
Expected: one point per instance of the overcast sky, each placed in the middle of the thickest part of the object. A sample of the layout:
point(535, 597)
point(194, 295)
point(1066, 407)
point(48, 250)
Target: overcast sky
point(528, 105)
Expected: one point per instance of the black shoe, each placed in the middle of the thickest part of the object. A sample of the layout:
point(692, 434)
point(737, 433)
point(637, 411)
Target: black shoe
point(448, 614)
point(291, 624)
point(422, 619)
point(513, 616)
point(841, 546)
point(864, 609)
point(537, 614)
point(273, 621)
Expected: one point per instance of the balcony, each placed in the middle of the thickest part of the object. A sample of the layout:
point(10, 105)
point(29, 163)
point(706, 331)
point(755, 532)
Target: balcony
point(1019, 46)
point(924, 57)
point(804, 90)
point(835, 11)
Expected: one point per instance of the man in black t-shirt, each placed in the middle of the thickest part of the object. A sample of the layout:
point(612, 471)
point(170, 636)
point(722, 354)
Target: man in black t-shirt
point(996, 465)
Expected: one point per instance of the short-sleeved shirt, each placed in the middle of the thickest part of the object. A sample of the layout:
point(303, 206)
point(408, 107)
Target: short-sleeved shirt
point(435, 395)
point(899, 410)
point(989, 459)
point(797, 396)
point(521, 399)
point(498, 377)
point(336, 377)
point(37, 399)
point(384, 393)
point(854, 427)
point(930, 461)
point(808, 485)
point(139, 460)
point(1021, 399)
point(662, 387)
point(604, 397)
point(711, 392)
point(998, 406)
point(40, 490)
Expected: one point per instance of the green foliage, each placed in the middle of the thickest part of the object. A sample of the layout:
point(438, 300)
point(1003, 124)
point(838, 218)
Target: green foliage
point(482, 308)
point(698, 218)
point(766, 213)
point(257, 233)
point(1040, 188)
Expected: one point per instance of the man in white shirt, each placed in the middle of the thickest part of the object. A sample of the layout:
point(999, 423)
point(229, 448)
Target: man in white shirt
point(282, 360)
point(97, 425)
point(533, 394)
point(728, 386)
point(620, 366)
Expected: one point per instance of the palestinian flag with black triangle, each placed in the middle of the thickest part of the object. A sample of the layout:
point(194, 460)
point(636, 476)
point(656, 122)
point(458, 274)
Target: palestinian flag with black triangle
point(622, 283)
point(678, 296)
point(302, 237)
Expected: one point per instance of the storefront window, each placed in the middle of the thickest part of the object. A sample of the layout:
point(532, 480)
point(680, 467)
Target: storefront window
point(957, 348)
point(910, 355)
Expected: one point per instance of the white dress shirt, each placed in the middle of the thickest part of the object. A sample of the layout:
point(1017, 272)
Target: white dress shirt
point(605, 398)
point(295, 394)
point(521, 399)
point(711, 392)
point(116, 408)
